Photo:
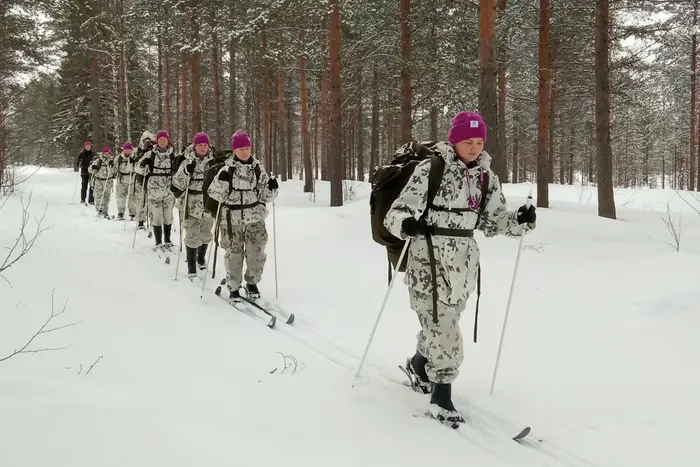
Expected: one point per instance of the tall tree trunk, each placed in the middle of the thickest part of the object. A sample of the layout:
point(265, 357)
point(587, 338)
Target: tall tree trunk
point(168, 112)
point(266, 103)
point(693, 90)
point(515, 154)
point(305, 143)
point(606, 198)
point(232, 108)
point(184, 101)
point(95, 117)
point(216, 79)
point(360, 149)
point(336, 111)
point(317, 172)
point(124, 117)
point(196, 81)
point(406, 51)
point(290, 130)
point(502, 60)
point(282, 154)
point(543, 113)
point(488, 82)
point(325, 118)
point(160, 82)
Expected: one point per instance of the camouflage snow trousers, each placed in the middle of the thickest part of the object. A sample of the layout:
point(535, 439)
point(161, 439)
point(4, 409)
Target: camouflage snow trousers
point(198, 231)
point(103, 193)
point(161, 210)
point(245, 242)
point(139, 202)
point(123, 192)
point(440, 343)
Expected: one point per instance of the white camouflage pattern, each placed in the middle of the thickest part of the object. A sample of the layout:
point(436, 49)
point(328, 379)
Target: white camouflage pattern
point(457, 258)
point(125, 180)
point(103, 173)
point(197, 223)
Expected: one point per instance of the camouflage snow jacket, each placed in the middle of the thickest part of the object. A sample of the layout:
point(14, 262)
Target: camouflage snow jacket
point(102, 168)
point(159, 169)
point(195, 199)
point(124, 168)
point(246, 195)
point(457, 258)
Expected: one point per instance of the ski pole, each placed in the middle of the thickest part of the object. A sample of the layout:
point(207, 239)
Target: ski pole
point(274, 242)
point(381, 309)
point(216, 226)
point(179, 217)
point(528, 202)
point(128, 194)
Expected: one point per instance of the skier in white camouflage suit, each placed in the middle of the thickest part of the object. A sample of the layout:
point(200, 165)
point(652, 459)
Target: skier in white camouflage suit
point(125, 182)
point(158, 164)
point(197, 222)
point(439, 351)
point(243, 189)
point(145, 145)
point(103, 173)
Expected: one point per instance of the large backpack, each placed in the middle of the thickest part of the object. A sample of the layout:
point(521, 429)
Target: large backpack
point(387, 183)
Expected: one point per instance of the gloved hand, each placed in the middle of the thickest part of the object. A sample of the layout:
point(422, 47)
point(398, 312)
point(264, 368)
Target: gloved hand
point(98, 165)
point(225, 176)
point(412, 227)
point(189, 168)
point(110, 163)
point(526, 215)
point(272, 184)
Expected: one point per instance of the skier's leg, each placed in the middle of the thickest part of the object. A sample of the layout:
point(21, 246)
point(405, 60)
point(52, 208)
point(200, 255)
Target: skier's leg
point(255, 256)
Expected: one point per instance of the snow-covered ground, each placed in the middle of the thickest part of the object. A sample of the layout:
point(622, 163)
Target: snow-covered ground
point(600, 357)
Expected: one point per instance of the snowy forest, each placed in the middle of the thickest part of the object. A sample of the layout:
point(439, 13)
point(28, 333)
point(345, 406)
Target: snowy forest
point(591, 92)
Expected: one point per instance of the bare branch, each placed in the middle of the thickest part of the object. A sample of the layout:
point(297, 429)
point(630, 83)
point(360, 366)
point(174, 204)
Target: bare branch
point(675, 230)
point(24, 241)
point(42, 330)
point(90, 369)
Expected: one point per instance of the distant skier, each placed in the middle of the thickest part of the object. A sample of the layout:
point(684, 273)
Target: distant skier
point(82, 162)
point(454, 254)
point(197, 223)
point(145, 145)
point(103, 173)
point(125, 182)
point(159, 163)
point(243, 189)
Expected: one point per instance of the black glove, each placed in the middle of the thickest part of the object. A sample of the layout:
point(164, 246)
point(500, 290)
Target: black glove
point(189, 168)
point(412, 227)
point(272, 184)
point(110, 163)
point(224, 176)
point(527, 215)
point(98, 165)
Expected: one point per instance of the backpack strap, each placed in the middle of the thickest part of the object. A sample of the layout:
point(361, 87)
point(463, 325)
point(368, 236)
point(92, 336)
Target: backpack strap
point(484, 191)
point(437, 170)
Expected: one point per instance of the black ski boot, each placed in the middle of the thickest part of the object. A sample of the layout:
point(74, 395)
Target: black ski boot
point(201, 256)
point(191, 265)
point(252, 291)
point(141, 226)
point(120, 216)
point(234, 296)
point(132, 217)
point(167, 228)
point(158, 232)
point(441, 406)
point(415, 371)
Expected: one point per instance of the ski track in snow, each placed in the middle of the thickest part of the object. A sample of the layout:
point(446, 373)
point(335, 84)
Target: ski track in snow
point(599, 356)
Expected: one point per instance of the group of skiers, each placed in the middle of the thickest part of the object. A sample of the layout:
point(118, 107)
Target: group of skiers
point(153, 178)
point(438, 216)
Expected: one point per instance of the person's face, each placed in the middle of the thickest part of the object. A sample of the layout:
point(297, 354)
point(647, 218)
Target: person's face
point(88, 146)
point(162, 142)
point(242, 153)
point(201, 149)
point(127, 152)
point(469, 149)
